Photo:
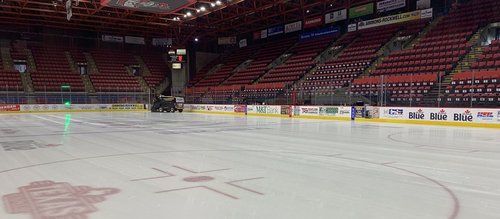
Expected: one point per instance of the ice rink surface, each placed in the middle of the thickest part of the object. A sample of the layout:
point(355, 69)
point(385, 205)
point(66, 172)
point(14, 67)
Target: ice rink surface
point(195, 166)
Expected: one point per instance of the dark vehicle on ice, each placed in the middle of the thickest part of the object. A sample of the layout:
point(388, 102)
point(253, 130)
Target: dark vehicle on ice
point(168, 104)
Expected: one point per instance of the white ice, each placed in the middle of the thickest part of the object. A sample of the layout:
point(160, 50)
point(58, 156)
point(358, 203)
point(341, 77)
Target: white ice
point(196, 166)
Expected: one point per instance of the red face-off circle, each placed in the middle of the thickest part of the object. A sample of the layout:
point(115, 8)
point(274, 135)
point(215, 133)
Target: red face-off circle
point(198, 179)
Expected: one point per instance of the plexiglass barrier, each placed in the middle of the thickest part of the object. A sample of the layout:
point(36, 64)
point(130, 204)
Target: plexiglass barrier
point(103, 95)
point(467, 89)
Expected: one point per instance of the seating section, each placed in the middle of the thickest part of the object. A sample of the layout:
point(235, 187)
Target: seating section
point(194, 94)
point(204, 71)
point(396, 87)
point(78, 56)
point(437, 53)
point(482, 85)
point(266, 55)
point(17, 51)
point(230, 63)
point(158, 68)
point(443, 46)
point(221, 93)
point(113, 75)
point(300, 62)
point(53, 70)
point(490, 59)
point(360, 50)
point(10, 81)
point(264, 90)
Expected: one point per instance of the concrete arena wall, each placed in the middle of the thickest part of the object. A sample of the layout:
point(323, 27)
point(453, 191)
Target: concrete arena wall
point(468, 117)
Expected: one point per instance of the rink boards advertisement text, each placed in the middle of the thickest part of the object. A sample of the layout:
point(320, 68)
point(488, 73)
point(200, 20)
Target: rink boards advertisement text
point(464, 115)
point(432, 116)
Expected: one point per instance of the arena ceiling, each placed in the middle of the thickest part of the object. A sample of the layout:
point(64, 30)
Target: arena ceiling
point(181, 20)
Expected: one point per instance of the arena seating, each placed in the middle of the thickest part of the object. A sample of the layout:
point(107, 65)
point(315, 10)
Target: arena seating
point(10, 81)
point(17, 52)
point(157, 67)
point(78, 56)
point(483, 85)
point(264, 90)
point(300, 62)
point(113, 75)
point(229, 64)
point(268, 53)
point(53, 70)
point(221, 92)
point(194, 94)
point(204, 71)
point(398, 87)
point(490, 59)
point(437, 53)
point(360, 50)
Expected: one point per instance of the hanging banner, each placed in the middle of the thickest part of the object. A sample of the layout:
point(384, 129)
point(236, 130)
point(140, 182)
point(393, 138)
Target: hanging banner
point(256, 35)
point(388, 5)
point(392, 19)
point(320, 32)
point(426, 13)
point(263, 34)
point(275, 30)
point(361, 10)
point(423, 4)
point(313, 22)
point(134, 40)
point(226, 40)
point(162, 41)
point(243, 43)
point(292, 27)
point(110, 38)
point(336, 16)
point(352, 27)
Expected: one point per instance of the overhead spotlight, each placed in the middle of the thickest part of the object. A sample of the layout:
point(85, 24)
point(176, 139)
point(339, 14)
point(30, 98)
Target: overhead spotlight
point(202, 8)
point(308, 11)
point(331, 5)
point(218, 2)
point(198, 10)
point(212, 4)
point(196, 39)
point(188, 14)
point(185, 16)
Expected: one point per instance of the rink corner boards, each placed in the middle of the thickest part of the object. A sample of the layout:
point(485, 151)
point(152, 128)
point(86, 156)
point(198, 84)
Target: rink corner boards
point(460, 117)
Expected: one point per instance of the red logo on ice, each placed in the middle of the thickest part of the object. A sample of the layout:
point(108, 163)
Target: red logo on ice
point(50, 200)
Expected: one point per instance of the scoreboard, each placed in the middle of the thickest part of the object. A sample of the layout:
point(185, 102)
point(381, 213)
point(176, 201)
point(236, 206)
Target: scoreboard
point(178, 55)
